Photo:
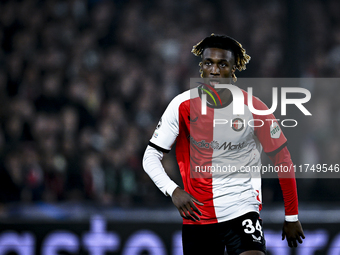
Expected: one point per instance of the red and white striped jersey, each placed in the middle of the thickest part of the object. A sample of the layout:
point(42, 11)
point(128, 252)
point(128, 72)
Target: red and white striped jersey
point(214, 151)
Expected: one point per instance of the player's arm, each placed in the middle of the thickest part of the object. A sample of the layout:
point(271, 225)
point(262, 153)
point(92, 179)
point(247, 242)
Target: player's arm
point(162, 140)
point(292, 229)
point(181, 199)
point(153, 167)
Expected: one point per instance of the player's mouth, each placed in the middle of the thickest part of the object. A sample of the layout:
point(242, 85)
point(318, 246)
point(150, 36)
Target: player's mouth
point(213, 82)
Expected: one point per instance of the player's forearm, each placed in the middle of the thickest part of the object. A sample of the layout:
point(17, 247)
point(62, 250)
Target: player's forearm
point(289, 192)
point(153, 167)
point(287, 183)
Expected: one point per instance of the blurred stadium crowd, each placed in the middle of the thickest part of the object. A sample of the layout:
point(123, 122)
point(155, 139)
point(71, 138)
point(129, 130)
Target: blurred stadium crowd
point(83, 84)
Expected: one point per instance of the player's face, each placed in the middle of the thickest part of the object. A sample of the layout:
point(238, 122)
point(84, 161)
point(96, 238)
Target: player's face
point(217, 63)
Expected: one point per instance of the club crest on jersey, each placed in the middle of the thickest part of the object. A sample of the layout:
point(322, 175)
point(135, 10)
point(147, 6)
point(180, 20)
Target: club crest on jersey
point(237, 124)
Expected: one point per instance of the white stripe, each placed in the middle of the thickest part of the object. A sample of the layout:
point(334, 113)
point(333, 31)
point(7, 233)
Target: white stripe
point(234, 193)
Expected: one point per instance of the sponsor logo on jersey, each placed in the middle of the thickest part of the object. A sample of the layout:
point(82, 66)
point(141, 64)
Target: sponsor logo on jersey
point(155, 135)
point(159, 124)
point(275, 130)
point(215, 145)
point(230, 146)
point(237, 124)
point(193, 120)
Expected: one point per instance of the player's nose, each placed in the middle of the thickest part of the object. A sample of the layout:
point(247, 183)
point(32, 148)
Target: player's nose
point(215, 71)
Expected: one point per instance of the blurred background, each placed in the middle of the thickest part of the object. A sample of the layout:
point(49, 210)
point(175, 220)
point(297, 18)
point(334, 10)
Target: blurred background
point(84, 83)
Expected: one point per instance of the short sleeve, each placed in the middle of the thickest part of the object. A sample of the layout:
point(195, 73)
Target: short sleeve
point(267, 129)
point(167, 128)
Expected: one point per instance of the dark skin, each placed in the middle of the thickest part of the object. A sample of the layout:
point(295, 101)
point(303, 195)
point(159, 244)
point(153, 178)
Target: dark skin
point(219, 63)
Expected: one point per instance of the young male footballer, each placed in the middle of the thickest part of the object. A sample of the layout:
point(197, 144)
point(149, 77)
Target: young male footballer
point(220, 210)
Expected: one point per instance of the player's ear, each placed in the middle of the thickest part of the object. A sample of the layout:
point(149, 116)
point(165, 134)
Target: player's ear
point(201, 71)
point(233, 73)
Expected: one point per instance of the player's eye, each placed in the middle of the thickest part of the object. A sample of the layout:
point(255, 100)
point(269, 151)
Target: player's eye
point(223, 64)
point(207, 63)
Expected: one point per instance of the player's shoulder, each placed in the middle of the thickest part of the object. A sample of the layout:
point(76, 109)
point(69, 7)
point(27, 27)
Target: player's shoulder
point(184, 97)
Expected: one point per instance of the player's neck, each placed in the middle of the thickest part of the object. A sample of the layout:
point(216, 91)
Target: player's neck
point(225, 96)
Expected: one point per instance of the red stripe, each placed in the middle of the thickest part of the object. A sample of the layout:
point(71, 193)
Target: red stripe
point(190, 156)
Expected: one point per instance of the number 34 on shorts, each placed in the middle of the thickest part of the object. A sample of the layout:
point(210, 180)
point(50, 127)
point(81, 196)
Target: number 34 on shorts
point(253, 228)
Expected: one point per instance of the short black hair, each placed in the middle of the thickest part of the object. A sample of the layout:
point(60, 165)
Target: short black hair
point(226, 43)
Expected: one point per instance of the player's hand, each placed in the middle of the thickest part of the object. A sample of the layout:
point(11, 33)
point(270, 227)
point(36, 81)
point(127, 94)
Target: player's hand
point(293, 232)
point(185, 204)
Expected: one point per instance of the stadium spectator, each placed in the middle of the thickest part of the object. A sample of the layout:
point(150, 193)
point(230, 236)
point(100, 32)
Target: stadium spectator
point(68, 69)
